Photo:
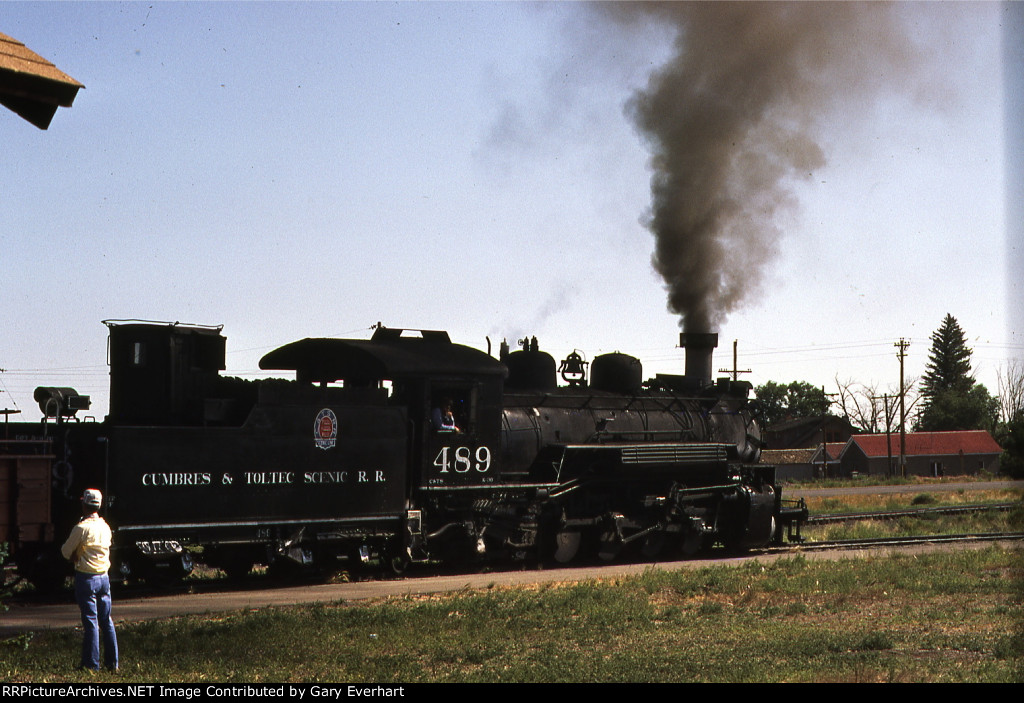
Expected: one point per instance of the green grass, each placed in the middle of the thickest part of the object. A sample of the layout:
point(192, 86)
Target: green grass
point(864, 502)
point(875, 480)
point(952, 617)
point(914, 526)
point(987, 521)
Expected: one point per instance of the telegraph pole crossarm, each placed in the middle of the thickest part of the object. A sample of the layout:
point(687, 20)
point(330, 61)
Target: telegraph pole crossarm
point(7, 412)
point(735, 371)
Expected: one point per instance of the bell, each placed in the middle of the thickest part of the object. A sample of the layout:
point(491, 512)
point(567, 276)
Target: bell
point(573, 369)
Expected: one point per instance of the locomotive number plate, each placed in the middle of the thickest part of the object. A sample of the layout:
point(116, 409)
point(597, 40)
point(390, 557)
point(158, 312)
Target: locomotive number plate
point(462, 460)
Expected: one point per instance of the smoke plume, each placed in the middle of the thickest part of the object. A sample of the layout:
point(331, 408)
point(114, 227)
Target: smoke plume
point(735, 119)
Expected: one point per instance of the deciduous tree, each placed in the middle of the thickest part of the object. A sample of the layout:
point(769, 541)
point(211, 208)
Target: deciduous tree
point(796, 399)
point(1010, 386)
point(866, 407)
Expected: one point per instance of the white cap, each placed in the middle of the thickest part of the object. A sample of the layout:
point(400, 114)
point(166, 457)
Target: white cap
point(92, 498)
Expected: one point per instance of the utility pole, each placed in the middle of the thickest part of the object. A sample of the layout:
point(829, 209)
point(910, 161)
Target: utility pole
point(7, 412)
point(735, 371)
point(827, 397)
point(902, 355)
point(888, 432)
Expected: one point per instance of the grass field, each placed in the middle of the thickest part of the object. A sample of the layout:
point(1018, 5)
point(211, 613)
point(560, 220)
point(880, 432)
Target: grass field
point(991, 521)
point(953, 617)
point(946, 617)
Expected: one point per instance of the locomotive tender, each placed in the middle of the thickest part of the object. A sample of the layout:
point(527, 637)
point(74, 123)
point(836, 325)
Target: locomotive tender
point(352, 462)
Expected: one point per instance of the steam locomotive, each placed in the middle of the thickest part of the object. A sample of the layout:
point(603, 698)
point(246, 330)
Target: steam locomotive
point(399, 449)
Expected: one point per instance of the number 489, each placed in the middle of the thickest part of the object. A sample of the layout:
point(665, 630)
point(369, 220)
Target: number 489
point(463, 459)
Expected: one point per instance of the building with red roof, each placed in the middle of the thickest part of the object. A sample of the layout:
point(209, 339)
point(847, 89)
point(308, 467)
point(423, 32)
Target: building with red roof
point(927, 453)
point(826, 459)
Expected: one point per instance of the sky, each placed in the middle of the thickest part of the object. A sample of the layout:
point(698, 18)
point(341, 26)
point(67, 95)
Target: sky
point(292, 170)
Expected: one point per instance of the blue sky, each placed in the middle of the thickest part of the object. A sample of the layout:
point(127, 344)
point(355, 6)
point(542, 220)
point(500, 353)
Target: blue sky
point(308, 169)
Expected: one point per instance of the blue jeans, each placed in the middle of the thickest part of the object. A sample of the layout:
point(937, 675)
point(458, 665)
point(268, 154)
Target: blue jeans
point(92, 591)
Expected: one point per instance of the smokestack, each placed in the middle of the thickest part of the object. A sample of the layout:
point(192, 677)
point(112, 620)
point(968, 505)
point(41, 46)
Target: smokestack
point(699, 347)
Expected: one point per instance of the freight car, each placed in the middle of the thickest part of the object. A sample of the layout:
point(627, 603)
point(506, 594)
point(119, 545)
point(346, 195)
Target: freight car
point(402, 448)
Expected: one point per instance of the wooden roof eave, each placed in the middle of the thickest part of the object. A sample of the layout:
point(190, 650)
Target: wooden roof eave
point(31, 86)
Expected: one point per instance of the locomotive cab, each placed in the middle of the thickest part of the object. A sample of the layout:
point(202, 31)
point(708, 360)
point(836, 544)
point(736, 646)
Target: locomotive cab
point(451, 393)
point(451, 398)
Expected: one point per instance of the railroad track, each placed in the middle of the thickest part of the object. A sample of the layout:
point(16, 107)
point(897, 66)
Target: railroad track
point(265, 582)
point(899, 541)
point(911, 512)
point(30, 612)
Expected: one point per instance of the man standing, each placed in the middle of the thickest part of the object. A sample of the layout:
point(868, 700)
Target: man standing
point(89, 548)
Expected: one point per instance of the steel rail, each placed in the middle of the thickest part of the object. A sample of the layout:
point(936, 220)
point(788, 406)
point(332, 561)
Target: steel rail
point(899, 541)
point(911, 512)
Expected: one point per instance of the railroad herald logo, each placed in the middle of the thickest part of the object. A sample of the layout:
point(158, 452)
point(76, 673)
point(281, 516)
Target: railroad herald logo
point(325, 429)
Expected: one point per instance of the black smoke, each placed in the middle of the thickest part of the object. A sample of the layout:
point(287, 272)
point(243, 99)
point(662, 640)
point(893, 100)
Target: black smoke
point(736, 118)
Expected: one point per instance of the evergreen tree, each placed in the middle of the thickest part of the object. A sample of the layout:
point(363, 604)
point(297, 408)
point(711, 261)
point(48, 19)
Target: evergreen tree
point(952, 400)
point(949, 362)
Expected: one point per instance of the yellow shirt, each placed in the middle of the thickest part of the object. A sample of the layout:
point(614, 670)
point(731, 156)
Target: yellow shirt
point(89, 545)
